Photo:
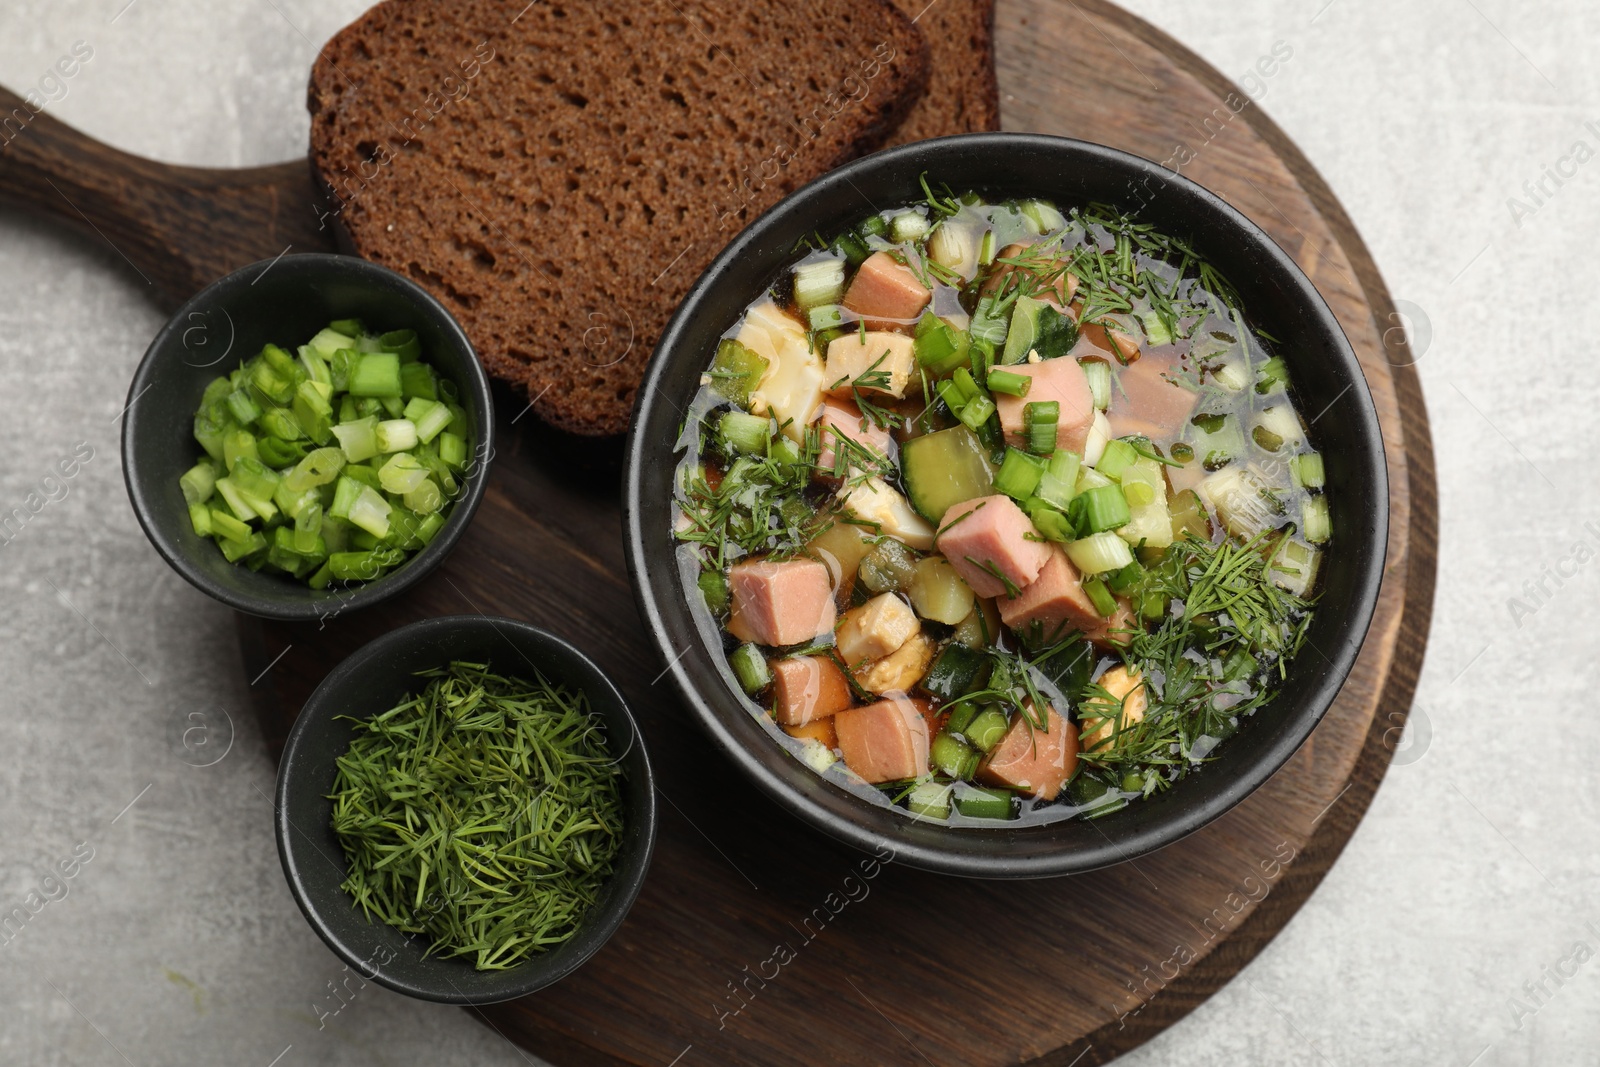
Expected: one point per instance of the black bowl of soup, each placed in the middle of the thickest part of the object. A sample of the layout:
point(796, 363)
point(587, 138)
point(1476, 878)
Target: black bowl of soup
point(1006, 501)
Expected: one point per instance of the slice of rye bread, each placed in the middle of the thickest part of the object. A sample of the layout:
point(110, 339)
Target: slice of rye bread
point(963, 95)
point(560, 177)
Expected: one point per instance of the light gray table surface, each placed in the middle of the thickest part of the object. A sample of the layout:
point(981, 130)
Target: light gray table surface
point(1467, 886)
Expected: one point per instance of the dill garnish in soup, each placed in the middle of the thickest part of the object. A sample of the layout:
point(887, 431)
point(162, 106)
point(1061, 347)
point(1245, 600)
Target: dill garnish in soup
point(1000, 512)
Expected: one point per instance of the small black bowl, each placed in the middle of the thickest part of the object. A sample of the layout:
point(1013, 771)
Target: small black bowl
point(284, 301)
point(1279, 298)
point(372, 681)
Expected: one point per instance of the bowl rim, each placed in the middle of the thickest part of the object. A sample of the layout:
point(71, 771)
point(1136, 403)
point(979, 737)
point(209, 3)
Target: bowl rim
point(298, 604)
point(653, 590)
point(294, 766)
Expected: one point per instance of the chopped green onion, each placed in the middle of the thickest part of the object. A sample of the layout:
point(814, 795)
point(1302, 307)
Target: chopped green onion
point(819, 283)
point(939, 347)
point(745, 433)
point(1118, 456)
point(376, 374)
point(452, 449)
point(1102, 507)
point(401, 474)
point(1019, 474)
point(1314, 515)
point(198, 483)
point(425, 499)
point(1123, 581)
point(986, 730)
point(1048, 518)
point(255, 481)
point(1308, 471)
point(1101, 553)
point(358, 439)
point(281, 423)
point(370, 512)
point(1100, 597)
point(929, 800)
point(238, 445)
point(313, 412)
point(1039, 425)
point(227, 527)
point(824, 317)
point(235, 550)
point(1098, 371)
point(976, 412)
point(307, 528)
point(714, 587)
point(750, 667)
point(952, 757)
point(200, 519)
point(403, 343)
point(908, 226)
point(396, 435)
point(978, 803)
point(1009, 383)
point(1271, 376)
point(243, 407)
point(318, 468)
point(417, 381)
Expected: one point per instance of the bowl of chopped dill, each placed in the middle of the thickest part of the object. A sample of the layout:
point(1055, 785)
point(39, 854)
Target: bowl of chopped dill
point(1006, 501)
point(465, 810)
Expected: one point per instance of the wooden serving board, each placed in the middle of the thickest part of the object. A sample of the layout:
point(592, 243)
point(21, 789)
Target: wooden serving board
point(756, 939)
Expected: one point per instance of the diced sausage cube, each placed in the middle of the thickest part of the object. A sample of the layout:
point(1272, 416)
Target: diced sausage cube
point(782, 603)
point(1033, 761)
point(1108, 338)
point(1062, 285)
point(841, 418)
point(1148, 404)
point(875, 629)
point(1061, 380)
point(818, 730)
point(1055, 604)
point(807, 688)
point(886, 361)
point(884, 742)
point(884, 292)
point(989, 542)
point(901, 669)
point(1102, 722)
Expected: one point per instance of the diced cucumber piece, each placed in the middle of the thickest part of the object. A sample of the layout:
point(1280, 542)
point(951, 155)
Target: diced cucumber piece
point(736, 370)
point(957, 671)
point(1038, 327)
point(940, 470)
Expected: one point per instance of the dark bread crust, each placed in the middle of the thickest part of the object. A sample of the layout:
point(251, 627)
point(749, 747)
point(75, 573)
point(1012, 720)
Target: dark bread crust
point(559, 178)
point(963, 94)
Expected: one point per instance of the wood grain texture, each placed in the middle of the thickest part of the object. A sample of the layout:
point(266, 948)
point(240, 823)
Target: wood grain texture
point(177, 228)
point(757, 940)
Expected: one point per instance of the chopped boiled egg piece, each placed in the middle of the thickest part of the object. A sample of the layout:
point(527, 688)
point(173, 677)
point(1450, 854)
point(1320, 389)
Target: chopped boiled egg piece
point(875, 501)
point(791, 389)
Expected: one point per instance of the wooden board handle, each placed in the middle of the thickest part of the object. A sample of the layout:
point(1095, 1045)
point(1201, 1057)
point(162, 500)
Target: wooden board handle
point(178, 227)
